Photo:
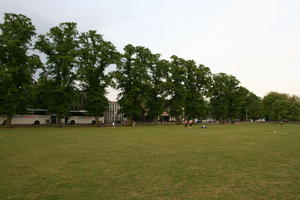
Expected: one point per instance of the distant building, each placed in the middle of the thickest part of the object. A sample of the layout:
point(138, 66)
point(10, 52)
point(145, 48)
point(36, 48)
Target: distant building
point(165, 117)
point(113, 113)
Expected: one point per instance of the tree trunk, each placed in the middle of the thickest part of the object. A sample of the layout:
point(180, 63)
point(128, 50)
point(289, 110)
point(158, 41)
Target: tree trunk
point(8, 121)
point(129, 121)
point(177, 119)
point(97, 120)
point(59, 120)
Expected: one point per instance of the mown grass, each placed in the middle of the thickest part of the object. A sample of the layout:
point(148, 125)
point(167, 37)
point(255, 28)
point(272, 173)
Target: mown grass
point(153, 162)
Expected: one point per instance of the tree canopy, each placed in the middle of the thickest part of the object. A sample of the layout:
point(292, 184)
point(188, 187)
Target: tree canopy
point(224, 93)
point(279, 106)
point(79, 67)
point(131, 79)
point(94, 57)
point(60, 45)
point(17, 64)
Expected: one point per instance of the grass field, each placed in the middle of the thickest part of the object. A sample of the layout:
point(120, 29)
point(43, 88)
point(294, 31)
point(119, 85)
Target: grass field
point(151, 162)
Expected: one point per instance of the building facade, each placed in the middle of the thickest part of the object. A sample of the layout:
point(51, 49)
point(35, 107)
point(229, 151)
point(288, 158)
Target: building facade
point(113, 113)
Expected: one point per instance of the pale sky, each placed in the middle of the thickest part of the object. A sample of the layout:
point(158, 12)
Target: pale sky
point(258, 41)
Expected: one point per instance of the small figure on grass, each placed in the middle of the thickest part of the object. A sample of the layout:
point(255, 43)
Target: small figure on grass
point(190, 124)
point(203, 126)
point(281, 122)
point(186, 124)
point(113, 124)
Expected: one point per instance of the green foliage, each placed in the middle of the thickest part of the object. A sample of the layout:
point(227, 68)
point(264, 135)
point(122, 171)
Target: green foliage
point(75, 73)
point(95, 55)
point(17, 66)
point(279, 106)
point(176, 88)
point(156, 91)
point(141, 78)
point(250, 105)
point(60, 45)
point(187, 85)
point(40, 91)
point(132, 79)
point(224, 97)
point(196, 83)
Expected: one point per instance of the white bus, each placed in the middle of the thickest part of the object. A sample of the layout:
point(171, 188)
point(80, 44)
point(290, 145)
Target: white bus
point(41, 116)
point(81, 117)
point(32, 117)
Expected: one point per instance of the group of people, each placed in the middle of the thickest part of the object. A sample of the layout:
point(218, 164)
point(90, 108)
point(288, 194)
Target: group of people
point(189, 123)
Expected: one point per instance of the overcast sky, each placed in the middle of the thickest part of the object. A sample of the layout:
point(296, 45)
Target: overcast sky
point(258, 41)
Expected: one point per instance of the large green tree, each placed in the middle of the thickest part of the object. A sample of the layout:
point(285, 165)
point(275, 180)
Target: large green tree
point(295, 106)
point(254, 107)
point(95, 55)
point(131, 80)
point(224, 97)
point(157, 91)
point(250, 105)
point(17, 64)
point(279, 106)
point(197, 82)
point(176, 87)
point(60, 45)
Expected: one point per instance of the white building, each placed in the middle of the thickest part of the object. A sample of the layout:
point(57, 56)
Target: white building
point(113, 113)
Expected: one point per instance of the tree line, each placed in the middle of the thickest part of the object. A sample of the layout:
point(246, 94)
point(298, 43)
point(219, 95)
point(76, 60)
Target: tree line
point(74, 73)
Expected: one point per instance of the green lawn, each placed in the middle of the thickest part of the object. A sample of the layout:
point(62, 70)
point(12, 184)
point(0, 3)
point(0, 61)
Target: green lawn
point(151, 162)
